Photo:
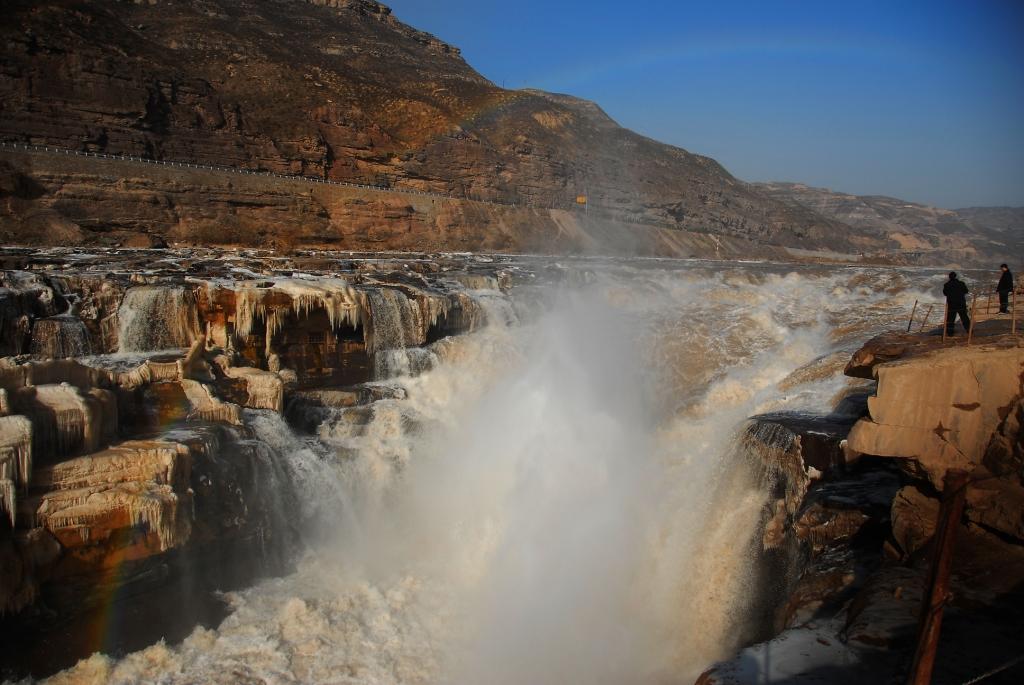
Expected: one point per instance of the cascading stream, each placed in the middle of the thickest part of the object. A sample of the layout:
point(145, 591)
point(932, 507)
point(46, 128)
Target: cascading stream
point(60, 337)
point(157, 318)
point(559, 498)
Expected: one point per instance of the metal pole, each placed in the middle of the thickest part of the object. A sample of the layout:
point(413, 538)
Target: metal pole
point(912, 312)
point(954, 489)
point(924, 321)
point(1013, 315)
point(974, 311)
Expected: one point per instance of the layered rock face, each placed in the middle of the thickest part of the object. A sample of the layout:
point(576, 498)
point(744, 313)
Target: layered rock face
point(939, 411)
point(97, 484)
point(136, 467)
point(338, 90)
point(952, 408)
point(115, 203)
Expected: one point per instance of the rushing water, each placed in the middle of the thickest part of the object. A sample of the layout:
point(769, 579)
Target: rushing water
point(157, 318)
point(60, 337)
point(556, 498)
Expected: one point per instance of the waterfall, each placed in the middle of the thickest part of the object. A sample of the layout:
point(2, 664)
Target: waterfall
point(561, 495)
point(396, 323)
point(157, 318)
point(312, 484)
point(60, 337)
point(395, 320)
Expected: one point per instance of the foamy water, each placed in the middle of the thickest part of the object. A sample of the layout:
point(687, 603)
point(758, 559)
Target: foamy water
point(558, 499)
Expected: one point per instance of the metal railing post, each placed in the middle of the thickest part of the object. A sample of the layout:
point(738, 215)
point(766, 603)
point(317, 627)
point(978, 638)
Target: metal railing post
point(974, 313)
point(954, 489)
point(924, 321)
point(1013, 312)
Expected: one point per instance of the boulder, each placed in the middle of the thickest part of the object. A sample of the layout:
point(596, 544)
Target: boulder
point(264, 389)
point(998, 505)
point(881, 349)
point(66, 421)
point(885, 612)
point(131, 500)
point(939, 410)
point(914, 515)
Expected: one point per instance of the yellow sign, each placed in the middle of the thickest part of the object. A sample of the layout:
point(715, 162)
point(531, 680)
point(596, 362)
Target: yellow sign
point(581, 199)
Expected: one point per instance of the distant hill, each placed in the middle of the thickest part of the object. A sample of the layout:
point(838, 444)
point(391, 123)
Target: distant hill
point(1006, 220)
point(976, 236)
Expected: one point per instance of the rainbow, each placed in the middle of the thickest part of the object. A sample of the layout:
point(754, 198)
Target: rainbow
point(696, 50)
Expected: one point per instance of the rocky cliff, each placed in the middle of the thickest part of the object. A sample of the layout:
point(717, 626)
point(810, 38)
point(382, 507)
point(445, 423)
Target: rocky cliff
point(329, 89)
point(850, 534)
point(952, 408)
point(67, 200)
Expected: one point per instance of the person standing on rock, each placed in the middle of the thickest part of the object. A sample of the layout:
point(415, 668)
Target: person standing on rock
point(956, 291)
point(1004, 288)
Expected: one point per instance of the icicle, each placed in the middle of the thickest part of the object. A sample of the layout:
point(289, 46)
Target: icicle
point(248, 307)
point(7, 497)
point(157, 509)
point(16, 447)
point(335, 296)
point(15, 460)
point(342, 304)
point(206, 407)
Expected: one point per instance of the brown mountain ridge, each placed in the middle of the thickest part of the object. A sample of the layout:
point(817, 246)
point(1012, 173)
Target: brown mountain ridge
point(342, 90)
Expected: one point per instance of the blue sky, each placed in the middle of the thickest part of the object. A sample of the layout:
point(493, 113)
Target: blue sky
point(918, 100)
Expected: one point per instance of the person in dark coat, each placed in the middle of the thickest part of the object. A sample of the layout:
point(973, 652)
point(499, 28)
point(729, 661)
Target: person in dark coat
point(956, 291)
point(1004, 289)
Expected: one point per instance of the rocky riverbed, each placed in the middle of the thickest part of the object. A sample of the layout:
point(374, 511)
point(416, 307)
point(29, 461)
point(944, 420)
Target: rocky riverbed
point(224, 466)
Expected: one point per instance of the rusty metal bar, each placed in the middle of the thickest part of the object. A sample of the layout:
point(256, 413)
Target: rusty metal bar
point(1013, 312)
point(954, 490)
point(912, 312)
point(924, 321)
point(974, 314)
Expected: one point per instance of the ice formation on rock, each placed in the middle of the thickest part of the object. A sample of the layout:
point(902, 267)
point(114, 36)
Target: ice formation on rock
point(136, 483)
point(281, 298)
point(15, 460)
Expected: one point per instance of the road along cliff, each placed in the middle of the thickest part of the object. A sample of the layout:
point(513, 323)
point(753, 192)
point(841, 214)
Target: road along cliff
point(55, 198)
point(340, 91)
